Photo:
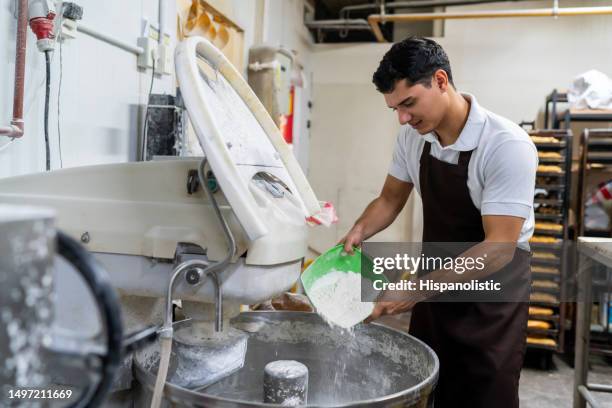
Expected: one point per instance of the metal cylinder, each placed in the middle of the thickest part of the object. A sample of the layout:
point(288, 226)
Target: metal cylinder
point(286, 383)
point(26, 311)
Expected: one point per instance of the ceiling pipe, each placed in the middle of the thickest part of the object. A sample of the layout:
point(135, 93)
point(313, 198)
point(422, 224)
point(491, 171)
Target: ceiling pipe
point(162, 21)
point(16, 128)
point(376, 19)
point(342, 24)
point(414, 4)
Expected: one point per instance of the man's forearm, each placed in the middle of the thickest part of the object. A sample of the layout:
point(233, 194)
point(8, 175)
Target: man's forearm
point(377, 216)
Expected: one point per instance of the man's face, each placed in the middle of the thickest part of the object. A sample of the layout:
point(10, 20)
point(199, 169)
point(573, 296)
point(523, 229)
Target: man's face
point(419, 106)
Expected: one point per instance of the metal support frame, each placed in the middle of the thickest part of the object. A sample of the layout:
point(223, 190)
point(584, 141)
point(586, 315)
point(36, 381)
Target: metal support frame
point(590, 258)
point(554, 119)
point(567, 259)
point(565, 138)
point(553, 99)
point(586, 136)
point(589, 116)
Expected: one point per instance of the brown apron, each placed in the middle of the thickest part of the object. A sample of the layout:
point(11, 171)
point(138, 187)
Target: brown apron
point(480, 345)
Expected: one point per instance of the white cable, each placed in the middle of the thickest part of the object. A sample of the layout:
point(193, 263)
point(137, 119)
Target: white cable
point(162, 371)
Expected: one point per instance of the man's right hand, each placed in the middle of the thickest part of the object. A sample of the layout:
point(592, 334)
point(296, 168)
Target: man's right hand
point(352, 239)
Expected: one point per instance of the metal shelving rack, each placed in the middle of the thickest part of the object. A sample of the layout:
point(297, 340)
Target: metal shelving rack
point(550, 112)
point(553, 208)
point(595, 275)
point(596, 151)
point(555, 117)
point(596, 147)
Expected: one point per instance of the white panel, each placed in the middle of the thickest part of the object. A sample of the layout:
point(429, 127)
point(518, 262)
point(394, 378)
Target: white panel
point(238, 137)
point(352, 141)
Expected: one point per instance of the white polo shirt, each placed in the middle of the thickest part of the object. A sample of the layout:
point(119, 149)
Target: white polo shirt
point(502, 169)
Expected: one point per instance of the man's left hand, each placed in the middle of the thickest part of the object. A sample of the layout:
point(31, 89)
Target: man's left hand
point(389, 308)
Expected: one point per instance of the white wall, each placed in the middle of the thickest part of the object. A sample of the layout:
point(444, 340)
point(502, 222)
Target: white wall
point(509, 64)
point(512, 64)
point(352, 140)
point(102, 90)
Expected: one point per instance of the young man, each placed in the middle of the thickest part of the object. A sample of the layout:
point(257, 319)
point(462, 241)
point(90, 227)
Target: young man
point(475, 172)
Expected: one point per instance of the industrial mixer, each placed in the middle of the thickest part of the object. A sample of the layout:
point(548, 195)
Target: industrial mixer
point(216, 233)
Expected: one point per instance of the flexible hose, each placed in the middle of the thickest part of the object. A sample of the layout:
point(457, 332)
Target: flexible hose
point(162, 371)
point(108, 304)
point(47, 95)
point(166, 332)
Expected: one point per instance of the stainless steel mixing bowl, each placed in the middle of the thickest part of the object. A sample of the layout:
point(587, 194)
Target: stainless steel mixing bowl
point(374, 366)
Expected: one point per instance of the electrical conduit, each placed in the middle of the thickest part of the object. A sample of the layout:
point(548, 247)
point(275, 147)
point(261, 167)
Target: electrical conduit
point(16, 128)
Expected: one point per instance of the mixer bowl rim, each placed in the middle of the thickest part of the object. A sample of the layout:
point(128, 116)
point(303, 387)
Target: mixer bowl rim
point(173, 391)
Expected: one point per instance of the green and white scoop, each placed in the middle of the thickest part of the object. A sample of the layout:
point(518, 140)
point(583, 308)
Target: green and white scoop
point(334, 282)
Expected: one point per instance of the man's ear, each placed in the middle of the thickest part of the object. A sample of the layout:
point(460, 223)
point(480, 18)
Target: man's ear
point(440, 79)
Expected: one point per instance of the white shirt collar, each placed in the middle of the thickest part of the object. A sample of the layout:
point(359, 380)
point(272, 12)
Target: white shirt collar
point(470, 134)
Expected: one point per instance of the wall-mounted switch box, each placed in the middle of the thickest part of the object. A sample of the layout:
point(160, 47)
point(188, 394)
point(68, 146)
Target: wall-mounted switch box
point(149, 45)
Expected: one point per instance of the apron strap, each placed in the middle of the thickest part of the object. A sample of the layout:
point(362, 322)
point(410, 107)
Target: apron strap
point(464, 158)
point(426, 152)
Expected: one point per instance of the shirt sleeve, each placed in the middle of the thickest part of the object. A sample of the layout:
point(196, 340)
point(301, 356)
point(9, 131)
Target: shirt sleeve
point(509, 180)
point(399, 163)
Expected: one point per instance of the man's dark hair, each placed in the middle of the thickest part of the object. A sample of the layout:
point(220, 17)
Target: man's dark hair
point(415, 59)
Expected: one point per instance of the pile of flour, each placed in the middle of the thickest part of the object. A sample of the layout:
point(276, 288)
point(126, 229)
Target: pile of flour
point(337, 298)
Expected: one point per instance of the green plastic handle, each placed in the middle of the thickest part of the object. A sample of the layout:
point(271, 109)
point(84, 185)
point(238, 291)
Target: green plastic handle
point(336, 259)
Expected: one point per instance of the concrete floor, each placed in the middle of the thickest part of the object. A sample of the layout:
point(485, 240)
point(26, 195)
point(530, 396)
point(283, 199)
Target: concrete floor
point(554, 388)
